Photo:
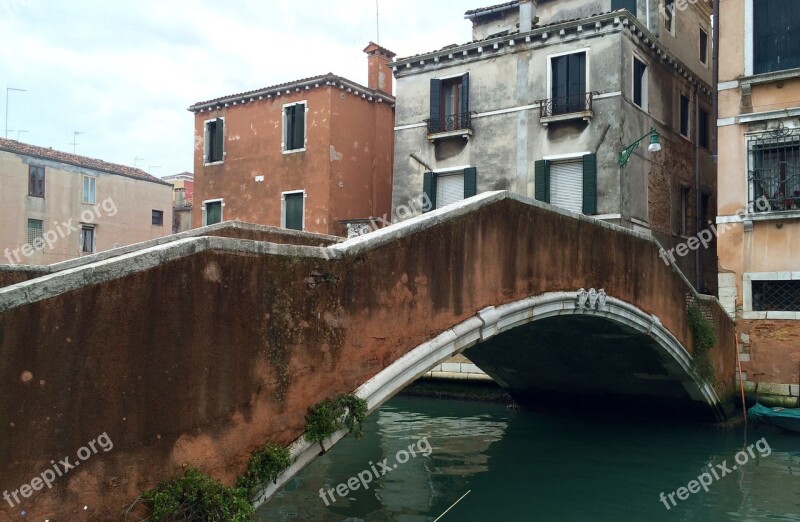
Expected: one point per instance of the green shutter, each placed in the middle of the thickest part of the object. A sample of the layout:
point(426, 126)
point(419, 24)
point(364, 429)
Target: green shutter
point(429, 188)
point(470, 182)
point(590, 184)
point(436, 106)
point(464, 96)
point(293, 206)
point(299, 126)
point(542, 181)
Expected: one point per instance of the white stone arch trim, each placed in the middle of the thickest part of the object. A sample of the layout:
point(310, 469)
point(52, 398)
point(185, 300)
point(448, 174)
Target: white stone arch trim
point(486, 324)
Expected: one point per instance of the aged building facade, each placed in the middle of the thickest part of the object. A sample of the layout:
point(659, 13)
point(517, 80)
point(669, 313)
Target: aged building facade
point(182, 200)
point(545, 98)
point(60, 206)
point(758, 220)
point(314, 154)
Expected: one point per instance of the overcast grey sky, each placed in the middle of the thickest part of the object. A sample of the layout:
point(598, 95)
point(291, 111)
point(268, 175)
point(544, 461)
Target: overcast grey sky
point(125, 72)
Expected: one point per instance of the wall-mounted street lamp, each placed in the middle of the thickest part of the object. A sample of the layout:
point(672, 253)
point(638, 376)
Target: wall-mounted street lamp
point(655, 146)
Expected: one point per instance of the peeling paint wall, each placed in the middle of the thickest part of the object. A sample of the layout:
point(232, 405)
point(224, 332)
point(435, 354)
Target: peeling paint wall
point(335, 120)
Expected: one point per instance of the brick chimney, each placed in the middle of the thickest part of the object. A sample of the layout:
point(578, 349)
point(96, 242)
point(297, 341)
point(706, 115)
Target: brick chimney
point(380, 74)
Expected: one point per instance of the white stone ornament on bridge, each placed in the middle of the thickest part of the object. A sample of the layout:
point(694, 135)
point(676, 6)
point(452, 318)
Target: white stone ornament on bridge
point(591, 300)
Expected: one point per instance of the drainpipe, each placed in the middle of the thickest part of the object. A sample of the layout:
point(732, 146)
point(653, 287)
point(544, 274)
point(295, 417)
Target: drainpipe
point(697, 198)
point(715, 80)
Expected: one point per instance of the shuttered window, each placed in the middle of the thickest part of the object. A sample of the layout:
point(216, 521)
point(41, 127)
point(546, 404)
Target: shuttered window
point(449, 189)
point(684, 116)
point(568, 88)
point(214, 142)
point(566, 185)
point(294, 127)
point(776, 26)
point(570, 184)
point(449, 104)
point(446, 188)
point(293, 210)
point(213, 212)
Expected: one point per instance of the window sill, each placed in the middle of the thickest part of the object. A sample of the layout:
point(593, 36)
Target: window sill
point(581, 115)
point(293, 151)
point(88, 203)
point(773, 216)
point(214, 163)
point(775, 76)
point(35, 196)
point(786, 316)
point(457, 133)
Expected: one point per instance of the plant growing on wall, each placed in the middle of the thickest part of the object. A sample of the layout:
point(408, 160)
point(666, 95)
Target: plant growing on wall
point(196, 496)
point(704, 339)
point(328, 416)
point(264, 466)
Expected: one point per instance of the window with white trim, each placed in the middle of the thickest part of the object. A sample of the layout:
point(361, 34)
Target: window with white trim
point(214, 142)
point(703, 46)
point(445, 188)
point(89, 186)
point(87, 239)
point(669, 16)
point(294, 127)
point(775, 29)
point(212, 212)
point(35, 231)
point(569, 183)
point(293, 210)
point(775, 295)
point(684, 116)
point(640, 83)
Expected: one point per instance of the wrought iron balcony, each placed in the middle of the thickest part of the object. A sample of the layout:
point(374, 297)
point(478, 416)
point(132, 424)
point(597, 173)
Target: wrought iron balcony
point(566, 107)
point(456, 124)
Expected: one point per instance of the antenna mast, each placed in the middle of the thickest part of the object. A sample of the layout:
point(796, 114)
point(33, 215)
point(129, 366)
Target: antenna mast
point(377, 23)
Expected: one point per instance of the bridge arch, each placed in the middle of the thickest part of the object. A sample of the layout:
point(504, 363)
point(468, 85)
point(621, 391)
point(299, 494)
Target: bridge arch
point(493, 322)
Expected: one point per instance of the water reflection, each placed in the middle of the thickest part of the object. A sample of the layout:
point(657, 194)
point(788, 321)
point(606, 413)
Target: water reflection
point(524, 465)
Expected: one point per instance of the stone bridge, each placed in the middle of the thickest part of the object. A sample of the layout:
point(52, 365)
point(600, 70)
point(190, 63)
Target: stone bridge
point(196, 349)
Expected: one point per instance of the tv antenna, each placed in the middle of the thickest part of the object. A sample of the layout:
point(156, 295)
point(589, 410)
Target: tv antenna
point(377, 24)
point(75, 139)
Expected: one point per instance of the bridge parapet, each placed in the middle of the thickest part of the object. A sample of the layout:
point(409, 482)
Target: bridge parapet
point(199, 349)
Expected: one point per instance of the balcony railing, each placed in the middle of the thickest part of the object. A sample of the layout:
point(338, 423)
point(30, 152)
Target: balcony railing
point(450, 123)
point(574, 103)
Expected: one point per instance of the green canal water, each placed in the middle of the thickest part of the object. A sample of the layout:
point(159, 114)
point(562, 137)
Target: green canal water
point(522, 465)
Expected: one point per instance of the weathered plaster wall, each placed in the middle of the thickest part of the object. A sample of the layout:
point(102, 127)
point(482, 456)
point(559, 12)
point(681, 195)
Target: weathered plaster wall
point(199, 350)
point(125, 217)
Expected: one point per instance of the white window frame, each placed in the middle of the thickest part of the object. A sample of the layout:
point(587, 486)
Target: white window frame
point(94, 189)
point(699, 46)
point(748, 37)
point(283, 205)
point(221, 201)
point(645, 82)
point(550, 69)
point(207, 144)
point(284, 124)
point(747, 294)
point(93, 227)
point(674, 29)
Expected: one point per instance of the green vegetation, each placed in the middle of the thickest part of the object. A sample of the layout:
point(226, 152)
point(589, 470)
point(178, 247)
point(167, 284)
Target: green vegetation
point(704, 339)
point(326, 417)
point(197, 497)
point(265, 465)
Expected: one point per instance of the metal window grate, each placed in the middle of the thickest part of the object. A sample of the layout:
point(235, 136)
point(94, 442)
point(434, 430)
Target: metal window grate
point(774, 170)
point(776, 296)
point(35, 232)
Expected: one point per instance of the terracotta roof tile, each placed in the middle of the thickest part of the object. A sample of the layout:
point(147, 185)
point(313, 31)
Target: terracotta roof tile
point(480, 10)
point(25, 149)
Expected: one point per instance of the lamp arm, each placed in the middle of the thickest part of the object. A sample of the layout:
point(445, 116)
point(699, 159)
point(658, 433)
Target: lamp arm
point(627, 151)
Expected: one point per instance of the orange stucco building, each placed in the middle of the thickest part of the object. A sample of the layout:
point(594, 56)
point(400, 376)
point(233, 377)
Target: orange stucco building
point(313, 154)
point(758, 221)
